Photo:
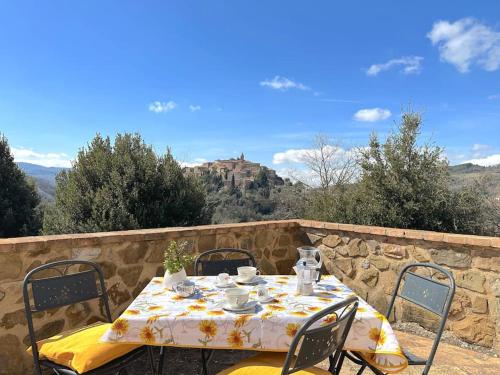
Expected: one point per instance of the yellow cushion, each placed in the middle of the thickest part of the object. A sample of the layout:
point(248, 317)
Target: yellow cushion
point(267, 364)
point(81, 350)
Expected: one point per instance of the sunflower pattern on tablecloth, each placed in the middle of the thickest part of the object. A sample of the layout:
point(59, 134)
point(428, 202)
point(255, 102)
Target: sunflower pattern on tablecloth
point(159, 316)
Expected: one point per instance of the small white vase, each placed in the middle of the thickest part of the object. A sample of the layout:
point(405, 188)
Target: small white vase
point(170, 279)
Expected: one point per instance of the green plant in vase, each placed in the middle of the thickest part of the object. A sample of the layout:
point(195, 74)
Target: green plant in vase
point(175, 259)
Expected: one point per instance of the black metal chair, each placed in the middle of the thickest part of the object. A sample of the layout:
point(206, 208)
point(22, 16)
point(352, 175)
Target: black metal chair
point(311, 345)
point(426, 292)
point(48, 292)
point(204, 266)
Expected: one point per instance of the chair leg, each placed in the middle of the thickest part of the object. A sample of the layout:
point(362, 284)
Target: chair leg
point(363, 367)
point(151, 359)
point(338, 365)
point(204, 369)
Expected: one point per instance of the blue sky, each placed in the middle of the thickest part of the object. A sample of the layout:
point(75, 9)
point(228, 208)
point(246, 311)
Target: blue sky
point(212, 79)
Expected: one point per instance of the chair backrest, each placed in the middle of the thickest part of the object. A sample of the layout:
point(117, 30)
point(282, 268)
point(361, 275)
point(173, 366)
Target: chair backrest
point(427, 292)
point(204, 266)
point(314, 343)
point(61, 289)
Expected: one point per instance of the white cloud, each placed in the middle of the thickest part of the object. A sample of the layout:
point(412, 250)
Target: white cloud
point(467, 42)
point(299, 156)
point(494, 97)
point(486, 161)
point(194, 108)
point(193, 163)
point(162, 107)
point(480, 147)
point(410, 65)
point(51, 159)
point(372, 114)
point(283, 84)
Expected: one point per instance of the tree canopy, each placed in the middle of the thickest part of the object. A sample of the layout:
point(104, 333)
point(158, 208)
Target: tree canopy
point(18, 198)
point(124, 185)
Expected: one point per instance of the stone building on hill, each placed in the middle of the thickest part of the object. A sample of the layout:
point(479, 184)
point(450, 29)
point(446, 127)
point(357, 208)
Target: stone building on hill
point(243, 171)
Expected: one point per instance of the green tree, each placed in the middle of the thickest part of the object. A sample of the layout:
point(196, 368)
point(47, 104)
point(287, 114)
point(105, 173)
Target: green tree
point(405, 184)
point(123, 186)
point(19, 215)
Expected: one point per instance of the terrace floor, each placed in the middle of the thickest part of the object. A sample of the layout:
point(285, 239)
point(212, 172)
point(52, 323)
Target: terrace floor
point(450, 359)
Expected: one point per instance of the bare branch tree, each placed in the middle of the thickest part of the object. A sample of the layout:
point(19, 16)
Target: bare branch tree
point(330, 164)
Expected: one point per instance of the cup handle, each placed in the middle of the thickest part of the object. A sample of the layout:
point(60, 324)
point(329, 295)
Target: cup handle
point(257, 273)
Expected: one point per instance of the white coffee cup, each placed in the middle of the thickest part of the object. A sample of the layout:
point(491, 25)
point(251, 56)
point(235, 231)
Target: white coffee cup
point(223, 279)
point(247, 273)
point(262, 292)
point(237, 297)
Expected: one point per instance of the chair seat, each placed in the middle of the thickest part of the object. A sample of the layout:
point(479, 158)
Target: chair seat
point(267, 364)
point(80, 350)
point(413, 360)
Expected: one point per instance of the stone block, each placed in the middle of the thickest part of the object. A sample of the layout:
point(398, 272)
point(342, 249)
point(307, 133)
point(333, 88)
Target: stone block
point(495, 287)
point(279, 252)
point(226, 241)
point(357, 248)
point(206, 242)
point(327, 252)
point(130, 274)
point(108, 269)
point(12, 319)
point(332, 240)
point(85, 253)
point(472, 280)
point(266, 267)
point(379, 262)
point(345, 265)
point(11, 356)
point(284, 267)
point(118, 296)
point(342, 250)
point(373, 246)
point(284, 240)
point(369, 277)
point(47, 330)
point(475, 329)
point(419, 254)
point(11, 266)
point(378, 300)
point(487, 264)
point(394, 251)
point(451, 258)
point(132, 253)
point(77, 313)
point(263, 238)
point(460, 302)
point(480, 305)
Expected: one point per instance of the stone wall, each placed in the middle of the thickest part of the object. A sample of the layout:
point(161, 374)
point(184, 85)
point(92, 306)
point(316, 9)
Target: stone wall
point(129, 260)
point(368, 259)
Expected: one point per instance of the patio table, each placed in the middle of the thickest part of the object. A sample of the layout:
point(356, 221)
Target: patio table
point(160, 317)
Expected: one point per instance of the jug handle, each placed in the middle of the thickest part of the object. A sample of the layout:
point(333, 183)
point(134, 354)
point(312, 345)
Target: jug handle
point(319, 266)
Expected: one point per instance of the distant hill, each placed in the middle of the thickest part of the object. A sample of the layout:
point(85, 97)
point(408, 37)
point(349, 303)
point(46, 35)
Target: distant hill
point(45, 178)
point(463, 174)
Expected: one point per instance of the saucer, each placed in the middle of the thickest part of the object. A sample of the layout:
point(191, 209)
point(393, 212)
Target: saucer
point(228, 285)
point(247, 306)
point(265, 300)
point(252, 281)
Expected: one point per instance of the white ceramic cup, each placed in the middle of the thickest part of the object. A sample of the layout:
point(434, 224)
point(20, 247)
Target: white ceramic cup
point(247, 273)
point(237, 297)
point(223, 279)
point(262, 292)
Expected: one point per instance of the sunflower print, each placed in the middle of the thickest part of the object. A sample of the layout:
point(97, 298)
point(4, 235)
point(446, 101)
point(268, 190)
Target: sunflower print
point(329, 319)
point(314, 308)
point(154, 308)
point(291, 329)
point(242, 320)
point(378, 336)
point(120, 326)
point(147, 335)
point(197, 307)
point(131, 312)
point(216, 313)
point(208, 328)
point(274, 307)
point(234, 339)
point(299, 313)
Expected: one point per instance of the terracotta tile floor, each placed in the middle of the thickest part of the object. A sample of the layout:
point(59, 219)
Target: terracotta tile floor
point(450, 360)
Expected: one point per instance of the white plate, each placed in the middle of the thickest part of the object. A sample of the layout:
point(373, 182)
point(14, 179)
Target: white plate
point(265, 300)
point(228, 285)
point(247, 306)
point(255, 280)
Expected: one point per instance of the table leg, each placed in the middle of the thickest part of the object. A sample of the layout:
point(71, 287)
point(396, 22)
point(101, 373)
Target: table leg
point(163, 353)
